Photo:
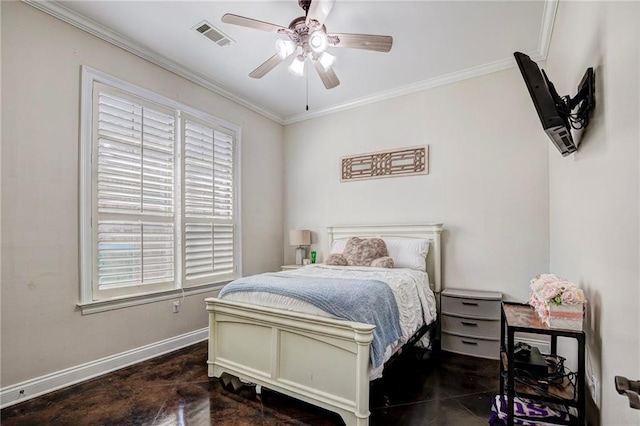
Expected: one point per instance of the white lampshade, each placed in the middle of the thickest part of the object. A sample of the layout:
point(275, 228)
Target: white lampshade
point(300, 238)
point(284, 48)
point(318, 41)
point(297, 66)
point(326, 60)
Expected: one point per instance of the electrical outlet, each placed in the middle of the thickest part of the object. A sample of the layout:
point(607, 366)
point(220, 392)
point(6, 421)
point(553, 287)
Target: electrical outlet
point(176, 307)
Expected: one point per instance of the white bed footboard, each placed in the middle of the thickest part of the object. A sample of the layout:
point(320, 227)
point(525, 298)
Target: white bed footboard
point(319, 360)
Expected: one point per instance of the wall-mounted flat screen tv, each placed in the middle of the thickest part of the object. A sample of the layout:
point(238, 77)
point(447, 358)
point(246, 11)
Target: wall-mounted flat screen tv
point(553, 110)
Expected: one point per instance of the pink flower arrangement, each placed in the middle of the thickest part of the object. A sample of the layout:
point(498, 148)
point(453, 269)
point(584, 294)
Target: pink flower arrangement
point(550, 289)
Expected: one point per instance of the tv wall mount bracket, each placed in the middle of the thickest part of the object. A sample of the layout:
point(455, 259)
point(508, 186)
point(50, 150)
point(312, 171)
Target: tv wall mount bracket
point(584, 100)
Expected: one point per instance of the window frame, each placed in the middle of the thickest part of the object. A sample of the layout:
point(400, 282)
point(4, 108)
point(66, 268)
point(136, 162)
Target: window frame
point(87, 302)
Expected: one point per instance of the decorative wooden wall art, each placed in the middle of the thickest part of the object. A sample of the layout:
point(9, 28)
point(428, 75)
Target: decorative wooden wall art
point(398, 162)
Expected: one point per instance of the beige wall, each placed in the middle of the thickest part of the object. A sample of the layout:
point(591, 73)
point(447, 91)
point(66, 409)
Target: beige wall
point(512, 206)
point(594, 214)
point(42, 329)
point(488, 180)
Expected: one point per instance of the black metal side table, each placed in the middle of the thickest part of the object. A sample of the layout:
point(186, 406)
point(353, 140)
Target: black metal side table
point(518, 317)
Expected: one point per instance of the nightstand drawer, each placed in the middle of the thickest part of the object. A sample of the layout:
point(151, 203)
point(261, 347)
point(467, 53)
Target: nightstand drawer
point(489, 329)
point(471, 346)
point(476, 308)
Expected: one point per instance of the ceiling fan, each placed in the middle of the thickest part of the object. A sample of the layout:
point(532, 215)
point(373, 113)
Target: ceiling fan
point(307, 37)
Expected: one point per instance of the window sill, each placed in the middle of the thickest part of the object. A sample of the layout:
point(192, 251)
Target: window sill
point(141, 299)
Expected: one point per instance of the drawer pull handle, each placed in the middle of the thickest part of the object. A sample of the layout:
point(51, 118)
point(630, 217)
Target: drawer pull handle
point(470, 303)
point(469, 324)
point(467, 342)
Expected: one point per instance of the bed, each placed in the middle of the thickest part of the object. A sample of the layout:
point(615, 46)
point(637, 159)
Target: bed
point(313, 357)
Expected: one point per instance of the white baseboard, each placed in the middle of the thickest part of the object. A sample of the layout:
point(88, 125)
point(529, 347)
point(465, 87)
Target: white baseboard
point(29, 389)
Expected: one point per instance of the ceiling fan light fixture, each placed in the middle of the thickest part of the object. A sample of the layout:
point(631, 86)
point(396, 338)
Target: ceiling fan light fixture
point(306, 37)
point(326, 60)
point(285, 48)
point(318, 41)
point(297, 66)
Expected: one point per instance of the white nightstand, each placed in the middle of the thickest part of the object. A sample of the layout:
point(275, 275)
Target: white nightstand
point(290, 267)
point(470, 322)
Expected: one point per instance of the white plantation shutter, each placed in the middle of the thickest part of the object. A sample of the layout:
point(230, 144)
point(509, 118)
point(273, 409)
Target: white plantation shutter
point(208, 182)
point(132, 253)
point(157, 194)
point(134, 212)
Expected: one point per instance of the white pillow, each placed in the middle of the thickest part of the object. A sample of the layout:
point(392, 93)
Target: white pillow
point(406, 252)
point(338, 245)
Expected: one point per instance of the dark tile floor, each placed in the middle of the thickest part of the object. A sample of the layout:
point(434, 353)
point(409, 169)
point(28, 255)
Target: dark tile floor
point(174, 390)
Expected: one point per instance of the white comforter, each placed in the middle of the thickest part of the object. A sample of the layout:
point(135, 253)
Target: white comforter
point(415, 300)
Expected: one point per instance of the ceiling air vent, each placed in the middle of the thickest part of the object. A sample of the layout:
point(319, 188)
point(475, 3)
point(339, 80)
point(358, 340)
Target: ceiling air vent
point(213, 34)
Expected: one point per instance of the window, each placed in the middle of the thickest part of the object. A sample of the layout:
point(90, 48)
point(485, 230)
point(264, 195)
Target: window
point(158, 212)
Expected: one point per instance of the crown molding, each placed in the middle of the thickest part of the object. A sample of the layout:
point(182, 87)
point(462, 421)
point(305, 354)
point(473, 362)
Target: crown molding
point(408, 89)
point(546, 29)
point(58, 11)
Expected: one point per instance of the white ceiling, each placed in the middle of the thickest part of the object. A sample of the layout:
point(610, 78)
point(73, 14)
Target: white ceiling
point(434, 42)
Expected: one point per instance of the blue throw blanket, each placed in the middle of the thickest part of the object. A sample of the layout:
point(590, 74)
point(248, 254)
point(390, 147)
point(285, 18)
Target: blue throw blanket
point(367, 301)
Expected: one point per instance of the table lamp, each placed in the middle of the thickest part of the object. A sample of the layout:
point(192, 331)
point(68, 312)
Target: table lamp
point(300, 238)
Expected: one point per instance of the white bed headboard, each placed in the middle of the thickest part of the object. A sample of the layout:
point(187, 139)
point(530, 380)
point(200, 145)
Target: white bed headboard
point(430, 231)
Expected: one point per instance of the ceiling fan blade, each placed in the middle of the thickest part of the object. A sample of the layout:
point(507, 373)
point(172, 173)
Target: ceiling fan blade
point(230, 18)
point(319, 10)
point(378, 43)
point(328, 77)
point(266, 66)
